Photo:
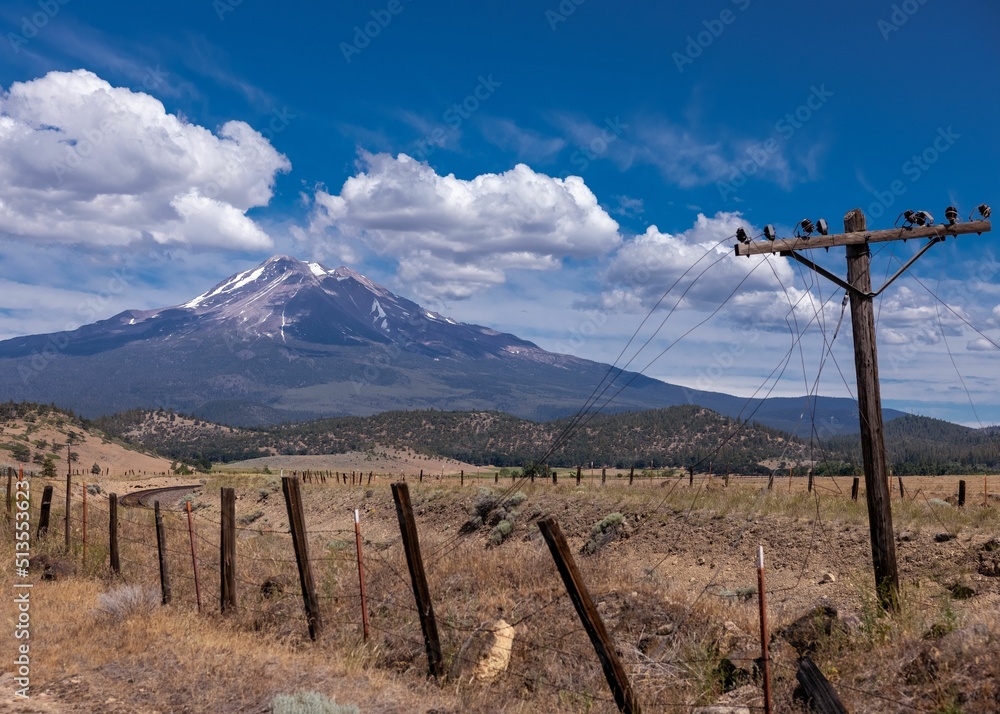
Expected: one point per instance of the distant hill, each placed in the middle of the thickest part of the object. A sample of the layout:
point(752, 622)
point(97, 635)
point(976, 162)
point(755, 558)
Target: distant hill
point(293, 341)
point(672, 437)
point(918, 445)
point(32, 435)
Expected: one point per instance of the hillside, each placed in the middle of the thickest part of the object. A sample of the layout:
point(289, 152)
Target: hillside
point(919, 445)
point(672, 437)
point(32, 434)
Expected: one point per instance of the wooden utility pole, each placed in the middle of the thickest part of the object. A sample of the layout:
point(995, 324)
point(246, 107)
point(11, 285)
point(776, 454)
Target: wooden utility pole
point(856, 238)
point(870, 413)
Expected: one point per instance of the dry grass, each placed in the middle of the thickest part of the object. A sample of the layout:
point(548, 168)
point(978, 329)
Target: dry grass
point(676, 594)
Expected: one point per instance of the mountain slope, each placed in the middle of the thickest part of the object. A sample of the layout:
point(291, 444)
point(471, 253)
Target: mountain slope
point(289, 341)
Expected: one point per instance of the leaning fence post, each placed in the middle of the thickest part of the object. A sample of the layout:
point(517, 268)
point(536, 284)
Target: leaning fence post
point(764, 656)
point(361, 574)
point(161, 549)
point(227, 548)
point(411, 544)
point(116, 564)
point(43, 515)
point(194, 558)
point(820, 694)
point(591, 619)
point(902, 494)
point(854, 488)
point(296, 521)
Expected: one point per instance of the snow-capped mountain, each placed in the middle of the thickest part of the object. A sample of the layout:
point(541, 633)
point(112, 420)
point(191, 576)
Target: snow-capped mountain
point(291, 340)
point(296, 304)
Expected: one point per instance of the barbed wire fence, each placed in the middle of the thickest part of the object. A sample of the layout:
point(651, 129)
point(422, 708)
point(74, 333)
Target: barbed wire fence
point(470, 587)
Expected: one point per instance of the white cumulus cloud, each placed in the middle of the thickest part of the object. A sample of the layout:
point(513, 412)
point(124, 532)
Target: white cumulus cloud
point(84, 162)
point(700, 261)
point(451, 236)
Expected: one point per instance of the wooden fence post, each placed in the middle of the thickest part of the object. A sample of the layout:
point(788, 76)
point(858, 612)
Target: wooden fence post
point(296, 521)
point(69, 490)
point(725, 479)
point(764, 635)
point(84, 484)
point(631, 475)
point(770, 481)
point(161, 549)
point(227, 550)
point(411, 544)
point(578, 475)
point(691, 476)
point(810, 487)
point(361, 574)
point(854, 488)
point(462, 477)
point(116, 563)
point(961, 493)
point(902, 494)
point(422, 475)
point(496, 477)
point(819, 693)
point(43, 515)
point(555, 478)
point(604, 476)
point(194, 558)
point(591, 619)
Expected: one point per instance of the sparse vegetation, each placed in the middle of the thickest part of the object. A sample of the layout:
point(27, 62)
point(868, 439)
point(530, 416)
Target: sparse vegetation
point(309, 703)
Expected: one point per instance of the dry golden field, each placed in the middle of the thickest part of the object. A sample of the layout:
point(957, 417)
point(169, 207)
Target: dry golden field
point(675, 585)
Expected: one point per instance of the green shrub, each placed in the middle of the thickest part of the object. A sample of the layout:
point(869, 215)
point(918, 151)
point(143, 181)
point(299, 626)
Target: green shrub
point(248, 518)
point(610, 528)
point(309, 703)
point(501, 532)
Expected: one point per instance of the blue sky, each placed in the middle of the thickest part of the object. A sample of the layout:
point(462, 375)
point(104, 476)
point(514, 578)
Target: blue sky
point(545, 168)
